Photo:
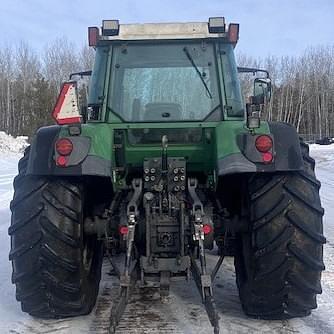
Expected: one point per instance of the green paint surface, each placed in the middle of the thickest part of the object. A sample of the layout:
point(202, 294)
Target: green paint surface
point(219, 139)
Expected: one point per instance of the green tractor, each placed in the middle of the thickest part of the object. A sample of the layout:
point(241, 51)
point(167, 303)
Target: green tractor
point(165, 162)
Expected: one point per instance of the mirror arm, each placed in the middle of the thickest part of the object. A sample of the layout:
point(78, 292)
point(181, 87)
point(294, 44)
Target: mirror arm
point(253, 71)
point(81, 74)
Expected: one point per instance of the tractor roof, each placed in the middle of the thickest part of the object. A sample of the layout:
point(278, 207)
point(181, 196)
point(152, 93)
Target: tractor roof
point(113, 31)
point(149, 31)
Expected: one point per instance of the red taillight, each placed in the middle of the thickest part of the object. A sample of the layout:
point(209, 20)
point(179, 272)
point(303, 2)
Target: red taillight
point(61, 161)
point(64, 146)
point(93, 36)
point(123, 230)
point(207, 229)
point(233, 33)
point(263, 143)
point(267, 157)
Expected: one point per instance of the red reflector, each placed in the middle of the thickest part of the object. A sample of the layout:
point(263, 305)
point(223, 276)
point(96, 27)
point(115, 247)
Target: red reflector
point(64, 146)
point(62, 161)
point(66, 109)
point(263, 143)
point(123, 230)
point(233, 33)
point(267, 157)
point(69, 120)
point(93, 36)
point(207, 229)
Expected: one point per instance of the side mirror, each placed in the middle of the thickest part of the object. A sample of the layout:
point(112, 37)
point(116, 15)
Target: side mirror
point(262, 90)
point(261, 95)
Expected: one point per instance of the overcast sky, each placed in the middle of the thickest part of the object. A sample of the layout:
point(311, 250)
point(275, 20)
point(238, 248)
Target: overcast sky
point(280, 27)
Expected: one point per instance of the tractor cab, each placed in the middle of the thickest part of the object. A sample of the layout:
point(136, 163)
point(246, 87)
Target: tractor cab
point(172, 72)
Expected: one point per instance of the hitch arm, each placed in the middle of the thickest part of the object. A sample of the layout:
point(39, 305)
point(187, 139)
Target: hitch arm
point(202, 279)
point(128, 278)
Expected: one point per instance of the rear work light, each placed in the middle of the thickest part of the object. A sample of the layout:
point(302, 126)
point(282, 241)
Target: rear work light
point(216, 25)
point(263, 143)
point(110, 27)
point(64, 146)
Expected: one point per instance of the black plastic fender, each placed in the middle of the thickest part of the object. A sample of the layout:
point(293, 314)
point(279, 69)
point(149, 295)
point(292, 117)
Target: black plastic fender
point(288, 154)
point(42, 156)
point(286, 151)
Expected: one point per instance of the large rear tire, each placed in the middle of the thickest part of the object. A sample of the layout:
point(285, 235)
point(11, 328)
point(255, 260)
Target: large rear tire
point(56, 268)
point(279, 260)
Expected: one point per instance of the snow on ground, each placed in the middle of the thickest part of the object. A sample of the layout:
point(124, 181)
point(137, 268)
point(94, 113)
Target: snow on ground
point(9, 144)
point(182, 312)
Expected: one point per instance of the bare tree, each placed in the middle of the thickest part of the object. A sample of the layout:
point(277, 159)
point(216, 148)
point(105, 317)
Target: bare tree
point(303, 86)
point(60, 59)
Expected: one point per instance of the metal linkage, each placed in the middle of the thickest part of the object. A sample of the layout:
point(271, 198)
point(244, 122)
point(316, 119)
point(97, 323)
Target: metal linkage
point(202, 279)
point(128, 278)
point(132, 209)
point(197, 204)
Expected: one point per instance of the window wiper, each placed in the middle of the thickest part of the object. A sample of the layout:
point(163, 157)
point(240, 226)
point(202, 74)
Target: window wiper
point(186, 51)
point(211, 112)
point(111, 110)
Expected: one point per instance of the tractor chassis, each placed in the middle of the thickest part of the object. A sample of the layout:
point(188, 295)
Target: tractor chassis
point(132, 271)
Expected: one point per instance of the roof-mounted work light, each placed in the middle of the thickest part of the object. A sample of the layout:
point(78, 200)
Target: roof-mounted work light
point(110, 27)
point(216, 25)
point(93, 36)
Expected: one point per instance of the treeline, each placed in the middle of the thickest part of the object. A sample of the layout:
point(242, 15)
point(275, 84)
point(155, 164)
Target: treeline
point(303, 90)
point(30, 83)
point(303, 86)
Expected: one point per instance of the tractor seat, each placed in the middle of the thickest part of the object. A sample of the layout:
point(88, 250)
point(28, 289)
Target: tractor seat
point(162, 112)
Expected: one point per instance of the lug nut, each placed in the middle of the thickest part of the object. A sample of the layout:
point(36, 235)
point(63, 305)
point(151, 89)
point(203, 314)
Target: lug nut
point(152, 178)
point(183, 188)
point(176, 179)
point(182, 177)
point(146, 170)
point(182, 170)
point(147, 178)
point(176, 170)
point(177, 188)
point(152, 170)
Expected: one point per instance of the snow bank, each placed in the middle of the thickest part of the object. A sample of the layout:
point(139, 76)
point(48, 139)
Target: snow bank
point(316, 147)
point(324, 156)
point(9, 144)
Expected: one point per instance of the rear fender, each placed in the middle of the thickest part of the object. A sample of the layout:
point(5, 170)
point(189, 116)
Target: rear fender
point(286, 150)
point(42, 155)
